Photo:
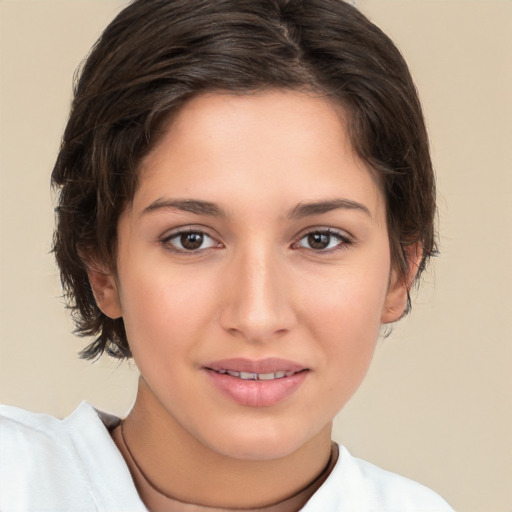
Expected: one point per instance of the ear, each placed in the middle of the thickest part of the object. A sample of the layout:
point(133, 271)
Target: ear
point(398, 291)
point(105, 290)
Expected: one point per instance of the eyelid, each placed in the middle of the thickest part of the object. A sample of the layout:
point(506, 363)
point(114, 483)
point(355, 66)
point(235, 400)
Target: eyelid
point(345, 238)
point(174, 233)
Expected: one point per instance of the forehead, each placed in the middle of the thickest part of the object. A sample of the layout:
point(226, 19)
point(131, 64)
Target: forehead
point(279, 144)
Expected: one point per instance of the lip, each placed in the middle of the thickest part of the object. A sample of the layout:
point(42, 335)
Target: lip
point(267, 365)
point(256, 393)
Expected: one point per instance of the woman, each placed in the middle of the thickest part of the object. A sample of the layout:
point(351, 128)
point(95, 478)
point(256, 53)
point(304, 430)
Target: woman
point(246, 198)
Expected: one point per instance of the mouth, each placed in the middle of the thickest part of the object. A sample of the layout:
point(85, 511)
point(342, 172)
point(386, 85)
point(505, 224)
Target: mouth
point(261, 383)
point(256, 376)
point(270, 368)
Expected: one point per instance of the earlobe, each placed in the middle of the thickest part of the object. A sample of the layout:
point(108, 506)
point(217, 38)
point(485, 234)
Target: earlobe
point(398, 292)
point(396, 301)
point(104, 288)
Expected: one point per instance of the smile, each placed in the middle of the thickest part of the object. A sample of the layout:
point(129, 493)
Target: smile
point(256, 376)
point(256, 383)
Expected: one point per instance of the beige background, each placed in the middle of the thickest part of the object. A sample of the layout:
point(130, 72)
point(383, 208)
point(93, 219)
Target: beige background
point(436, 405)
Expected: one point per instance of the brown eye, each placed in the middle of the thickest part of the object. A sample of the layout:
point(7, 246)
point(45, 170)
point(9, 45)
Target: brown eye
point(191, 241)
point(323, 241)
point(319, 240)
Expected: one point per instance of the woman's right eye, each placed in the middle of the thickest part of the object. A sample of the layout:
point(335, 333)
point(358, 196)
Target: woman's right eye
point(190, 241)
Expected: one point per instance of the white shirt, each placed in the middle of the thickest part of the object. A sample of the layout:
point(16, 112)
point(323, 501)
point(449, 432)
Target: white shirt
point(72, 465)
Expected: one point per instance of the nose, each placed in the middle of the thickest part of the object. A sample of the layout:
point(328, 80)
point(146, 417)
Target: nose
point(257, 305)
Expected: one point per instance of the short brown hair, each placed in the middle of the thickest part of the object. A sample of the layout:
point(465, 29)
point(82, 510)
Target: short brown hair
point(157, 54)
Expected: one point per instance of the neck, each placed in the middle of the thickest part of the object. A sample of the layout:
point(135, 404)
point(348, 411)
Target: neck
point(179, 465)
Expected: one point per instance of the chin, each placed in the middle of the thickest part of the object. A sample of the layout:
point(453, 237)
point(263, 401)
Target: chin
point(255, 450)
point(257, 443)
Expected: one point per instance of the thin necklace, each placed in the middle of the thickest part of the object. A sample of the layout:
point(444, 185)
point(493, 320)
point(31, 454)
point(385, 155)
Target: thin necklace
point(325, 472)
point(140, 470)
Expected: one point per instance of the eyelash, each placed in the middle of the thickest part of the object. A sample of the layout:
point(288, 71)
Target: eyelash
point(343, 241)
point(167, 241)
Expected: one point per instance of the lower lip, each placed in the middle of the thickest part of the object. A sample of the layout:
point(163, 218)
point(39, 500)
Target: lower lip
point(257, 393)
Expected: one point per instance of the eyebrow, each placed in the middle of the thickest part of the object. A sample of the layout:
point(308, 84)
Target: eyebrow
point(302, 210)
point(319, 207)
point(186, 205)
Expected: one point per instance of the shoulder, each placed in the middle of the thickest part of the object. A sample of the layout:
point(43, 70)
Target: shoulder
point(51, 464)
point(357, 485)
point(42, 434)
point(31, 435)
point(37, 458)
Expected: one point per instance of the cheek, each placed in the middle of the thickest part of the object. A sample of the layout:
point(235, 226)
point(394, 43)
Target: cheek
point(348, 334)
point(164, 312)
point(344, 319)
point(346, 299)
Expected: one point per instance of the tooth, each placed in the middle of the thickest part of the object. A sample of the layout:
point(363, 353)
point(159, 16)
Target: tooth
point(257, 376)
point(248, 376)
point(266, 376)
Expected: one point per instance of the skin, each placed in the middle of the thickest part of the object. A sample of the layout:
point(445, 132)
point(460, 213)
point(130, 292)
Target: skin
point(255, 288)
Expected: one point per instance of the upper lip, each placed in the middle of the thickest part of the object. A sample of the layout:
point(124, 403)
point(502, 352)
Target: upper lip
point(264, 366)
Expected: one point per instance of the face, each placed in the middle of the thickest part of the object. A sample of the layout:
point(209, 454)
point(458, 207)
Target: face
point(254, 271)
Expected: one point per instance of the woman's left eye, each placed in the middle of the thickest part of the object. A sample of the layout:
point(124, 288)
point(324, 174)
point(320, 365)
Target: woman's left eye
point(322, 240)
point(190, 241)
